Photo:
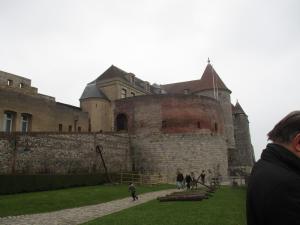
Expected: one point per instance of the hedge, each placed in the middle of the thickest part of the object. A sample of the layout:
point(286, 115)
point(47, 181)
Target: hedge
point(10, 184)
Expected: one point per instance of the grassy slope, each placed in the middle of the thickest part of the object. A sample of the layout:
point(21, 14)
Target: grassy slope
point(226, 207)
point(36, 202)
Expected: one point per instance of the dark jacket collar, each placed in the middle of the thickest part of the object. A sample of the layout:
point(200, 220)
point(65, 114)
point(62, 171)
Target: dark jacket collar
point(280, 155)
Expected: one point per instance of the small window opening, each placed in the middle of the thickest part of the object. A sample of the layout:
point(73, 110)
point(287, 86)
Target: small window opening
point(198, 124)
point(70, 128)
point(163, 124)
point(186, 91)
point(21, 85)
point(216, 127)
point(9, 82)
point(60, 127)
point(79, 129)
point(90, 126)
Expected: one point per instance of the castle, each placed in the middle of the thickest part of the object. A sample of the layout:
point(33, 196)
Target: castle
point(187, 126)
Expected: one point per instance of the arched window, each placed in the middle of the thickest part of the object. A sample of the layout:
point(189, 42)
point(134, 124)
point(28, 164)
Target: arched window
point(121, 122)
point(9, 121)
point(25, 122)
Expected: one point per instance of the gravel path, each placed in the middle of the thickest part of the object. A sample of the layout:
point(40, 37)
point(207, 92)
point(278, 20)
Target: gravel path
point(81, 214)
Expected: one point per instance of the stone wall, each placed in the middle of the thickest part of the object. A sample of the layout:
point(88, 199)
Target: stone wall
point(168, 153)
point(57, 153)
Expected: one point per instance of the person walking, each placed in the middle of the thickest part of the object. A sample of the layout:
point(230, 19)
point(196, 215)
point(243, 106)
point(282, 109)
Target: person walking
point(132, 191)
point(179, 180)
point(273, 193)
point(202, 176)
point(188, 180)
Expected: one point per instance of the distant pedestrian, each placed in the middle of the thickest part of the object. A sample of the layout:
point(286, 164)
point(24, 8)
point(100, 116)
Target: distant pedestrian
point(179, 180)
point(202, 176)
point(132, 191)
point(188, 180)
point(194, 181)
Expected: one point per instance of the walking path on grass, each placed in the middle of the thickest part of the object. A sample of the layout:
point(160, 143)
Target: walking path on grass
point(81, 214)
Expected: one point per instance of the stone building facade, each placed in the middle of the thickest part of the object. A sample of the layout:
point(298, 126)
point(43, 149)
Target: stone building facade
point(188, 126)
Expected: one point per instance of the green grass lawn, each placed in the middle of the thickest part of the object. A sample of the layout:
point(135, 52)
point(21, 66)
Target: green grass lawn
point(36, 202)
point(226, 207)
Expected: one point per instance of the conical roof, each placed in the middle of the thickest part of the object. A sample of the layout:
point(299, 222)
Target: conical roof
point(238, 109)
point(91, 91)
point(210, 79)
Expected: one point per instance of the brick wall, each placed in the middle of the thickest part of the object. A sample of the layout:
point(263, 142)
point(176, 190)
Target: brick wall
point(180, 113)
point(62, 153)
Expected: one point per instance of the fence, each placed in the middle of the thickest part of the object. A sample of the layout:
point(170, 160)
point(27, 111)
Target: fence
point(138, 178)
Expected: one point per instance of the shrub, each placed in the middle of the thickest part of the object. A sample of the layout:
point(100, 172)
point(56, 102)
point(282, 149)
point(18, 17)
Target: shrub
point(10, 184)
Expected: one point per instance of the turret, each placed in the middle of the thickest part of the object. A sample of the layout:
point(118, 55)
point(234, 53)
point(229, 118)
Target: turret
point(95, 102)
point(213, 86)
point(244, 149)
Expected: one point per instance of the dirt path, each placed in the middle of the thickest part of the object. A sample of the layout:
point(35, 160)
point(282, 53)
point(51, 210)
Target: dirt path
point(81, 214)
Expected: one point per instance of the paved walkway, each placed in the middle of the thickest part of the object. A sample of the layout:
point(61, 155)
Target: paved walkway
point(81, 214)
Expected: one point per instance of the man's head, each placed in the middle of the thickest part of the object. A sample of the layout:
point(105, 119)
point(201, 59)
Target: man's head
point(287, 132)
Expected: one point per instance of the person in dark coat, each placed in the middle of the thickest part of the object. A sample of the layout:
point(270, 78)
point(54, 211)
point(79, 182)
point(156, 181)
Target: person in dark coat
point(188, 180)
point(273, 194)
point(179, 180)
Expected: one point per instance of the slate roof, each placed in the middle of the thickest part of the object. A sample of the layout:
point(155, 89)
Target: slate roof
point(207, 81)
point(91, 91)
point(115, 72)
point(238, 109)
point(111, 72)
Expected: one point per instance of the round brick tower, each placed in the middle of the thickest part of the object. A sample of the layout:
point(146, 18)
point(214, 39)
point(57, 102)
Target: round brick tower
point(213, 86)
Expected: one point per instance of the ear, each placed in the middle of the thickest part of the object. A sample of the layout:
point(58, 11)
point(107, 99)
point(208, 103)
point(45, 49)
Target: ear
point(296, 143)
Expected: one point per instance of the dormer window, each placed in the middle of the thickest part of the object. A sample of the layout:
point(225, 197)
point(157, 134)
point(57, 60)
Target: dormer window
point(21, 85)
point(131, 78)
point(147, 86)
point(123, 93)
point(9, 82)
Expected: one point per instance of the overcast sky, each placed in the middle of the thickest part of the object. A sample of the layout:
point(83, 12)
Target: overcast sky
point(253, 45)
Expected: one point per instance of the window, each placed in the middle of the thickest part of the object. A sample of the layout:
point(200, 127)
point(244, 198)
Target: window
point(216, 127)
point(25, 122)
point(147, 86)
point(132, 79)
point(75, 125)
point(121, 122)
point(90, 126)
point(123, 93)
point(79, 129)
point(8, 121)
point(9, 82)
point(186, 91)
point(163, 124)
point(132, 94)
point(21, 85)
point(198, 124)
point(60, 127)
point(70, 128)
